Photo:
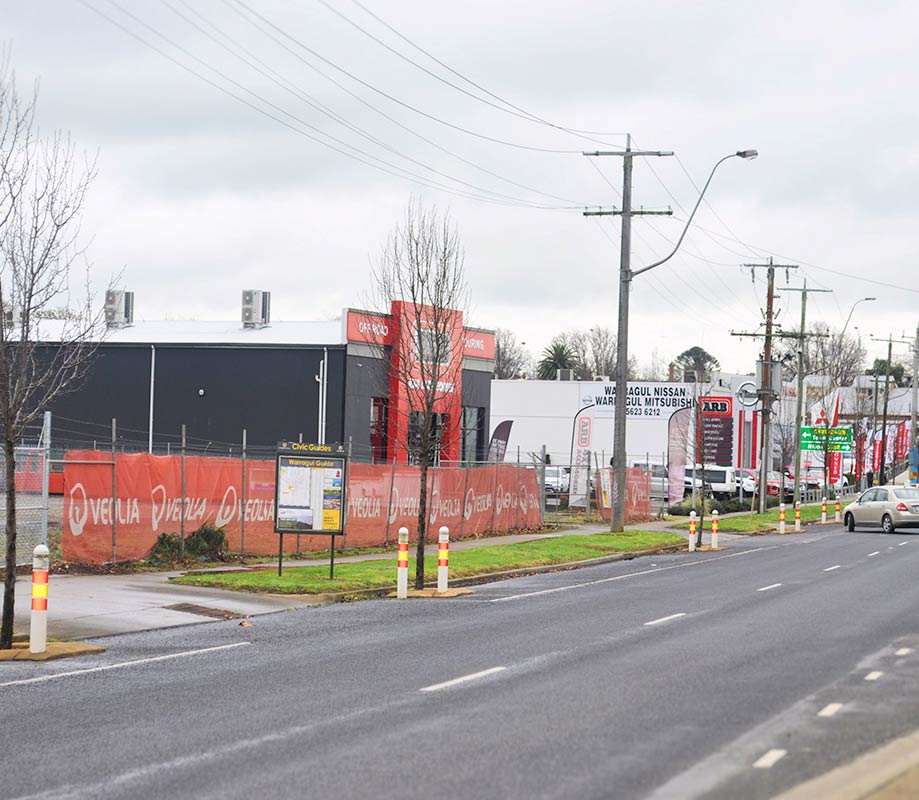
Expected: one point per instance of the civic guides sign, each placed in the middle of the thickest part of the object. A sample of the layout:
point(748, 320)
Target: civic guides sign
point(643, 400)
point(309, 489)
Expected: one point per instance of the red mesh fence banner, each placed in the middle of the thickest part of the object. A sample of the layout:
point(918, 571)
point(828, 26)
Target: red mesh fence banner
point(148, 501)
point(638, 494)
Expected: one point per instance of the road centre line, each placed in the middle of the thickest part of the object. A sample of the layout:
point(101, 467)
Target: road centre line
point(666, 619)
point(875, 553)
point(629, 575)
point(153, 659)
point(829, 710)
point(463, 679)
point(769, 759)
point(770, 586)
point(902, 543)
point(904, 651)
point(830, 569)
point(873, 676)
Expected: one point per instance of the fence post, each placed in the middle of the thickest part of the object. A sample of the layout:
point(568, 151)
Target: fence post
point(494, 499)
point(692, 531)
point(114, 496)
point(297, 540)
point(517, 492)
point(587, 507)
point(344, 494)
point(402, 565)
point(823, 511)
point(38, 624)
point(715, 530)
point(46, 467)
point(443, 558)
point(242, 510)
point(798, 516)
point(463, 502)
point(542, 486)
point(182, 508)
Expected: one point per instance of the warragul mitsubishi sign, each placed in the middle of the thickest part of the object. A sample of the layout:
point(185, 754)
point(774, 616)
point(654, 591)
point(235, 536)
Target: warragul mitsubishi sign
point(643, 400)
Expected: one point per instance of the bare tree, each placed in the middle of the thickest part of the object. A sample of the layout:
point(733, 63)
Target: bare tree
point(656, 369)
point(511, 359)
point(602, 351)
point(43, 187)
point(825, 352)
point(421, 269)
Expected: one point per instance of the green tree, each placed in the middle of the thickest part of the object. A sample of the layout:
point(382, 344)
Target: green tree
point(699, 362)
point(556, 356)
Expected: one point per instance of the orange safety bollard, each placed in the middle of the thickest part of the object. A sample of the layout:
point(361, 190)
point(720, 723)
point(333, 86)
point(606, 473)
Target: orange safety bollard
point(38, 628)
point(443, 558)
point(402, 565)
point(823, 512)
point(692, 531)
point(838, 510)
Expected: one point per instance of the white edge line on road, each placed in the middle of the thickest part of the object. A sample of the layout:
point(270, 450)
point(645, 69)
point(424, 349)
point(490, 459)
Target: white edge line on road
point(629, 575)
point(829, 710)
point(875, 553)
point(666, 619)
point(769, 759)
point(904, 651)
point(463, 679)
point(153, 659)
point(873, 676)
point(770, 586)
point(830, 569)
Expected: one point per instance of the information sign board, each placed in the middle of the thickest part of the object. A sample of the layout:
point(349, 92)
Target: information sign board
point(829, 440)
point(309, 489)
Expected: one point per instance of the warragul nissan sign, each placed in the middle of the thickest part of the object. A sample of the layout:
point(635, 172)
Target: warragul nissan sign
point(643, 400)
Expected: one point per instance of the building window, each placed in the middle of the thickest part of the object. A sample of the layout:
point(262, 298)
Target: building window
point(438, 424)
point(473, 434)
point(379, 429)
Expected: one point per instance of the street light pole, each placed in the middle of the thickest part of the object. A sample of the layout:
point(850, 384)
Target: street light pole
point(849, 318)
point(617, 517)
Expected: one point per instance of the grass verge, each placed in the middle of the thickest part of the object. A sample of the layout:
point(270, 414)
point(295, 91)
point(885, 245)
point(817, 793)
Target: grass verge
point(754, 523)
point(474, 562)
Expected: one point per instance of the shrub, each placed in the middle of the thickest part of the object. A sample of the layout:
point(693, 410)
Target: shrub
point(205, 544)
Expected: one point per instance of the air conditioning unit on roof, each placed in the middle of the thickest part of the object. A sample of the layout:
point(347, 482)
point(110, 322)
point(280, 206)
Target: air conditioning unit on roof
point(256, 308)
point(564, 375)
point(119, 308)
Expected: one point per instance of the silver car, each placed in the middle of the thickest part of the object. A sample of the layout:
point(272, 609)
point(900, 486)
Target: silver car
point(889, 507)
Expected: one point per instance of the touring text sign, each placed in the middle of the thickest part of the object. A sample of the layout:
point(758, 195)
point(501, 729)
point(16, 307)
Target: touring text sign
point(830, 440)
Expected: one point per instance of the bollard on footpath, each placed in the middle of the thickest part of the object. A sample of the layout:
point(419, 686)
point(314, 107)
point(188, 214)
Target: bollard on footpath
point(838, 510)
point(781, 518)
point(38, 630)
point(798, 516)
point(714, 530)
point(692, 531)
point(443, 558)
point(402, 565)
point(823, 512)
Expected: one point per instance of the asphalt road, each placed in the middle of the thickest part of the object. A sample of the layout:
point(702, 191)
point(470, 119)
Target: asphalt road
point(730, 675)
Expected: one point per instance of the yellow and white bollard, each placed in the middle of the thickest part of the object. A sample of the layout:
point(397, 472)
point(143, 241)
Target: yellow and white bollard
point(692, 531)
point(781, 518)
point(714, 529)
point(38, 630)
point(798, 516)
point(402, 565)
point(443, 558)
point(838, 510)
point(823, 512)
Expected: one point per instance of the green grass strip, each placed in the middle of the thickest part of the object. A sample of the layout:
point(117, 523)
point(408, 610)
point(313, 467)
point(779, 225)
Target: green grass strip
point(476, 561)
point(751, 523)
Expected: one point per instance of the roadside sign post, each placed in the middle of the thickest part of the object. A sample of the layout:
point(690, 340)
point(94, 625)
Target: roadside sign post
point(310, 492)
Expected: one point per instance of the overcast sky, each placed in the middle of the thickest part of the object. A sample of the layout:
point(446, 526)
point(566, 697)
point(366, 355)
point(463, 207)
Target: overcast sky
point(199, 195)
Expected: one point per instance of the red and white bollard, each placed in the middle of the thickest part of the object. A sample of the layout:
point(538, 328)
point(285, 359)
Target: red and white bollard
point(714, 529)
point(838, 510)
point(692, 531)
point(443, 558)
point(781, 518)
point(402, 565)
point(38, 630)
point(823, 512)
point(798, 516)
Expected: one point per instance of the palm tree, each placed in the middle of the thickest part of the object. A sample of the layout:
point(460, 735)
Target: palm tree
point(556, 356)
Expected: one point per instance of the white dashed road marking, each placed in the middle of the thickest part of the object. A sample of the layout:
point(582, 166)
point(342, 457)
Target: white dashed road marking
point(464, 679)
point(904, 651)
point(873, 676)
point(829, 710)
point(770, 586)
point(830, 569)
point(769, 759)
point(875, 553)
point(902, 543)
point(665, 619)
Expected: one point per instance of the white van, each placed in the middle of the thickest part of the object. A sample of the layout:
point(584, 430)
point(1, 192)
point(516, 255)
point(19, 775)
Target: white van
point(719, 482)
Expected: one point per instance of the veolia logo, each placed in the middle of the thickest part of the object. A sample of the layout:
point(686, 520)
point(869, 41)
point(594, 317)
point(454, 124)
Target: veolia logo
point(228, 508)
point(79, 512)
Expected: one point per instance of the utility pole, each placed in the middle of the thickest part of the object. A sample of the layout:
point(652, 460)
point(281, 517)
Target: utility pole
point(799, 407)
point(620, 457)
point(884, 420)
point(766, 394)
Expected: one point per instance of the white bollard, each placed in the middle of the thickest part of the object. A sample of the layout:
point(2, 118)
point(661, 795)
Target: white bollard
point(823, 511)
point(692, 531)
point(443, 558)
point(781, 518)
point(38, 629)
point(838, 510)
point(714, 529)
point(402, 565)
point(798, 517)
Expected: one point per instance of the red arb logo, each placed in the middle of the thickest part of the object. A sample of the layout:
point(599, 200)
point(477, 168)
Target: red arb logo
point(584, 432)
point(717, 406)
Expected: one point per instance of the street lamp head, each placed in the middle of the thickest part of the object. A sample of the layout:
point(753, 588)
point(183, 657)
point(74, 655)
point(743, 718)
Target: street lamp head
point(869, 298)
point(749, 154)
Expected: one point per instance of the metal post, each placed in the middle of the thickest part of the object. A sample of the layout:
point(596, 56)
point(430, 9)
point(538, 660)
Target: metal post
point(402, 565)
point(46, 466)
point(915, 388)
point(799, 403)
point(542, 485)
point(182, 507)
point(152, 391)
point(494, 499)
point(587, 507)
point(38, 627)
point(766, 394)
point(392, 485)
point(114, 496)
point(884, 421)
point(443, 558)
point(463, 501)
point(517, 493)
point(242, 510)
